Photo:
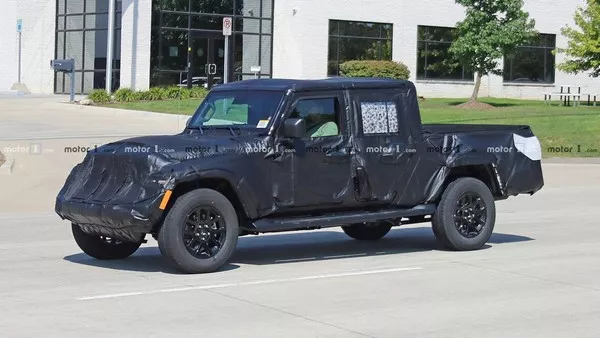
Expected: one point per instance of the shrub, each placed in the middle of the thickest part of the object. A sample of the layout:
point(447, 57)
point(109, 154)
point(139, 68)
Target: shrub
point(155, 94)
point(381, 69)
point(173, 92)
point(126, 95)
point(99, 96)
point(198, 92)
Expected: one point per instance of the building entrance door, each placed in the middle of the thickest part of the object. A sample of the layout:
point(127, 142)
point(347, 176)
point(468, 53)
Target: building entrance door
point(207, 60)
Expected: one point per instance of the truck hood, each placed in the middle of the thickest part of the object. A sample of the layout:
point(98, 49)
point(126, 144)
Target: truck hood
point(182, 147)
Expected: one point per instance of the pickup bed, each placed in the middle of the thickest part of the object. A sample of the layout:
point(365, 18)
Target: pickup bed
point(272, 155)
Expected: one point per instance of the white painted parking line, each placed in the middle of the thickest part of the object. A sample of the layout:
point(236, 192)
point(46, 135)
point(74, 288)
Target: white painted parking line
point(259, 282)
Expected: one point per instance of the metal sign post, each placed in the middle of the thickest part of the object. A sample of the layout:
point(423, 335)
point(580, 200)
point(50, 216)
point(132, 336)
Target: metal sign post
point(109, 45)
point(20, 31)
point(227, 30)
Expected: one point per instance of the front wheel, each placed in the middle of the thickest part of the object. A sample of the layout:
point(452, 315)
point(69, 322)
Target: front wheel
point(465, 217)
point(101, 247)
point(200, 232)
point(367, 231)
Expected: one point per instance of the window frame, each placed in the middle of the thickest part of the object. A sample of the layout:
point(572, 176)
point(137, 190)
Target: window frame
point(464, 77)
point(533, 45)
point(359, 96)
point(265, 36)
point(341, 122)
point(339, 37)
point(61, 32)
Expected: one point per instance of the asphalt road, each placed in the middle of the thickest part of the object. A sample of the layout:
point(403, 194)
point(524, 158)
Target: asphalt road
point(538, 277)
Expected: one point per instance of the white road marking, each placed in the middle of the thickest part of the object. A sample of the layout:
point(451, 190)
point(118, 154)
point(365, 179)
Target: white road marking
point(295, 260)
point(345, 256)
point(259, 282)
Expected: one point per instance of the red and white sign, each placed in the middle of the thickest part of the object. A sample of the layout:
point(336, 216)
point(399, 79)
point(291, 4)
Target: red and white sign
point(227, 23)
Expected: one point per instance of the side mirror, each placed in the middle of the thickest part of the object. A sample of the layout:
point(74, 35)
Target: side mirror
point(294, 128)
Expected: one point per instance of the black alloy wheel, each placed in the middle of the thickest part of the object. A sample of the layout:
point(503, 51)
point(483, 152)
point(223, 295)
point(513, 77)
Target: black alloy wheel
point(470, 215)
point(204, 232)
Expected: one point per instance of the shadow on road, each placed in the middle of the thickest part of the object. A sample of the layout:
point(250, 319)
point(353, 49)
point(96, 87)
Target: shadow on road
point(295, 247)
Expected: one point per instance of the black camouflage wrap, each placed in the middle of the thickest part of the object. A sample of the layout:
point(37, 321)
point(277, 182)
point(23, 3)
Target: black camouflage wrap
point(117, 189)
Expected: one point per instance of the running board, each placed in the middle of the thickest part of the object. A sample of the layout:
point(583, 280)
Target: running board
point(338, 219)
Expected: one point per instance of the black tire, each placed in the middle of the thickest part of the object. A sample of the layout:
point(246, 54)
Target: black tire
point(367, 231)
point(465, 233)
point(176, 248)
point(103, 248)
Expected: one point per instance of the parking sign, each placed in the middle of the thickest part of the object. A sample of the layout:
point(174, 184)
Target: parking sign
point(19, 25)
point(227, 23)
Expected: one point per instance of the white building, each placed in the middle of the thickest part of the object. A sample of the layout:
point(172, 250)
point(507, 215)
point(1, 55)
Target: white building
point(155, 40)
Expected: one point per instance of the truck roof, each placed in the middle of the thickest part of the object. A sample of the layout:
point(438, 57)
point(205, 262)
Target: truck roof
point(307, 85)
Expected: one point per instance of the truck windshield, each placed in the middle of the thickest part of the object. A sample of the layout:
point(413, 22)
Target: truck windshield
point(248, 108)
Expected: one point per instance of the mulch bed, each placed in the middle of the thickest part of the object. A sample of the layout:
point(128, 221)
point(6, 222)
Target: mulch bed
point(475, 105)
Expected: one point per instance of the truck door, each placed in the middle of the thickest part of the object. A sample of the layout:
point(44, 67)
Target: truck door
point(382, 150)
point(319, 162)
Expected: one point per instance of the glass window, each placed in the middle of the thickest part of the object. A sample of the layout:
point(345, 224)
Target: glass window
point(533, 62)
point(172, 5)
point(85, 41)
point(174, 54)
point(242, 108)
point(247, 25)
point(207, 22)
point(174, 20)
point(96, 21)
point(267, 26)
point(265, 54)
point(267, 8)
point(74, 48)
point(434, 60)
point(379, 117)
point(74, 6)
point(250, 43)
point(351, 40)
point(75, 22)
point(213, 7)
point(60, 23)
point(95, 6)
point(60, 7)
point(321, 116)
point(60, 45)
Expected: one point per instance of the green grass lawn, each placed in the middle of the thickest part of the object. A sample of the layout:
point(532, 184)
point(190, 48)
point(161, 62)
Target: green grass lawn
point(563, 131)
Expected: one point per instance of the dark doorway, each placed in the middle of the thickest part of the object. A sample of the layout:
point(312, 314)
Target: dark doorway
point(207, 60)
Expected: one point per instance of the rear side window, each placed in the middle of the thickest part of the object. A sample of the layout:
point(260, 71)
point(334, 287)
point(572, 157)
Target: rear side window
point(379, 117)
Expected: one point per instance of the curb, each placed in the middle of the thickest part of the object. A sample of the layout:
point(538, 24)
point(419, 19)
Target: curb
point(572, 160)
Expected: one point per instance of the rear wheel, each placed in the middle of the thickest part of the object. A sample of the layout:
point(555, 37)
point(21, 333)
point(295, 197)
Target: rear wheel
point(367, 231)
point(465, 217)
point(200, 232)
point(101, 247)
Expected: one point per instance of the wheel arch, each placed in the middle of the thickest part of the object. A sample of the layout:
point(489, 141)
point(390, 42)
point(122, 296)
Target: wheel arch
point(238, 193)
point(486, 173)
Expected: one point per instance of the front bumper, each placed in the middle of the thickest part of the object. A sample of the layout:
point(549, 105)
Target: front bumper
point(128, 222)
point(113, 196)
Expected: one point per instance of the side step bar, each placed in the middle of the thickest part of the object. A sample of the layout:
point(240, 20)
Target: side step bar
point(338, 219)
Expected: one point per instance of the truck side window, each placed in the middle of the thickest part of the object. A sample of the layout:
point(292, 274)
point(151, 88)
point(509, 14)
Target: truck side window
point(321, 115)
point(379, 117)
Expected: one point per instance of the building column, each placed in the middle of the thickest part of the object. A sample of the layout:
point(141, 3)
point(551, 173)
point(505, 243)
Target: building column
point(135, 44)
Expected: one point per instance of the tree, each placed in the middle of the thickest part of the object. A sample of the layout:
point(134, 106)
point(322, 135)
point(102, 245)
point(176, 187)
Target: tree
point(490, 30)
point(583, 52)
